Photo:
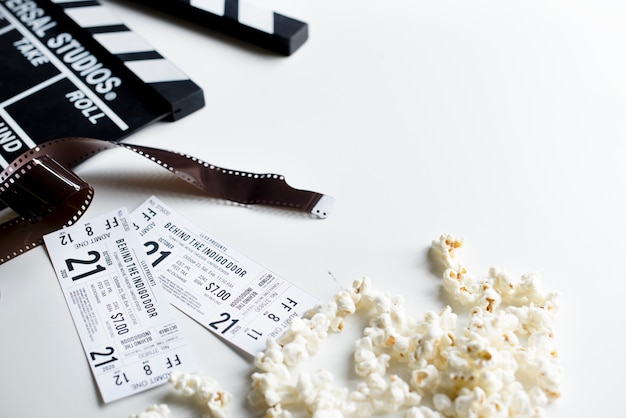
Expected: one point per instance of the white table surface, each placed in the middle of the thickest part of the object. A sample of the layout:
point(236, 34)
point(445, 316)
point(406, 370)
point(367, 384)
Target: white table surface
point(499, 121)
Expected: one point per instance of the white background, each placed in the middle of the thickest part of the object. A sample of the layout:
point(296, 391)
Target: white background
point(500, 121)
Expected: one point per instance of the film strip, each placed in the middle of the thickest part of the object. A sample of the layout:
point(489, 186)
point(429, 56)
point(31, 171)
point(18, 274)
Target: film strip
point(72, 68)
point(46, 195)
point(241, 19)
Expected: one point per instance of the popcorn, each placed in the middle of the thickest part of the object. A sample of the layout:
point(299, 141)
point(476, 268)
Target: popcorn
point(422, 412)
point(272, 359)
point(204, 390)
point(154, 411)
point(345, 303)
point(494, 358)
point(367, 361)
point(277, 411)
point(500, 362)
point(424, 378)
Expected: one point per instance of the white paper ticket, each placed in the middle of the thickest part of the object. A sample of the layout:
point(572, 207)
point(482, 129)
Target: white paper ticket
point(228, 293)
point(122, 315)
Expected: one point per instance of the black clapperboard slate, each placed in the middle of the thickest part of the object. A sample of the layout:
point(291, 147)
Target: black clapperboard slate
point(72, 68)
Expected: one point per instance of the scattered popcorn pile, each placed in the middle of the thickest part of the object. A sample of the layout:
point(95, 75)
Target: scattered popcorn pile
point(500, 362)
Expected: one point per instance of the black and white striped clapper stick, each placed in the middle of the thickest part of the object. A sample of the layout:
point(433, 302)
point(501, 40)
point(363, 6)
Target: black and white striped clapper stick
point(240, 19)
point(137, 55)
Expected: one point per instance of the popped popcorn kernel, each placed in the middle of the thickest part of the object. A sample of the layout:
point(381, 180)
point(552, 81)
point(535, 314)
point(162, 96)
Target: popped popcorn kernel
point(154, 411)
point(204, 390)
point(390, 341)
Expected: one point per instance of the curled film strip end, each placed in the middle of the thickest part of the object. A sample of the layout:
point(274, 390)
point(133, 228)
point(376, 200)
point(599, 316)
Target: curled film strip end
point(323, 206)
point(41, 188)
point(46, 197)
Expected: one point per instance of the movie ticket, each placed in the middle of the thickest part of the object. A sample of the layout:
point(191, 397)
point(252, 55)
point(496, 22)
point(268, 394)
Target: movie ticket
point(228, 293)
point(123, 317)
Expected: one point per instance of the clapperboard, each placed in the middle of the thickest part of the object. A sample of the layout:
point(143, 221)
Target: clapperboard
point(241, 19)
point(72, 68)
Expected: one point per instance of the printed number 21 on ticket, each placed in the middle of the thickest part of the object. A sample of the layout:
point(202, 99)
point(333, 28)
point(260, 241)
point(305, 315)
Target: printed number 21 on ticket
point(122, 315)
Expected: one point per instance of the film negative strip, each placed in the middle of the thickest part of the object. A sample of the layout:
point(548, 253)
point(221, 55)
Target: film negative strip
point(241, 19)
point(46, 195)
point(72, 68)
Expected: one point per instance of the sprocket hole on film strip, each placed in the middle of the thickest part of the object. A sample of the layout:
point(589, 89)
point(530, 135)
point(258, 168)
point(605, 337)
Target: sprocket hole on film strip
point(46, 195)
